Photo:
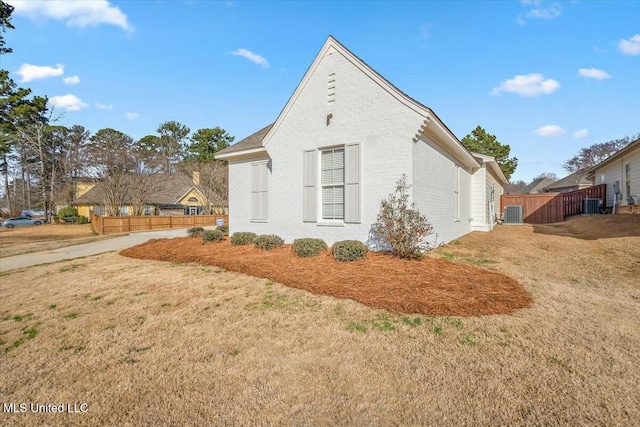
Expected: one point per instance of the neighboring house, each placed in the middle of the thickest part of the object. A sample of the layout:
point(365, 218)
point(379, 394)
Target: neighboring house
point(177, 196)
point(337, 149)
point(573, 182)
point(536, 187)
point(621, 173)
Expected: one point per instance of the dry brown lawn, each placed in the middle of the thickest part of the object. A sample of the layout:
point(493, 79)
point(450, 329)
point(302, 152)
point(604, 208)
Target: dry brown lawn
point(161, 343)
point(45, 237)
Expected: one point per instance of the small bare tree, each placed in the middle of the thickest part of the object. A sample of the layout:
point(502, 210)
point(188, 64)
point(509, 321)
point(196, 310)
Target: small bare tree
point(142, 187)
point(400, 228)
point(112, 160)
point(212, 182)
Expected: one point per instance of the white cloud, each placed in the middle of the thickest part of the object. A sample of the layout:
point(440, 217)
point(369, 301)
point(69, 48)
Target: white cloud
point(75, 13)
point(132, 116)
point(253, 57)
point(538, 9)
point(73, 80)
point(550, 130)
point(104, 106)
point(593, 73)
point(582, 133)
point(527, 85)
point(68, 102)
point(29, 72)
point(630, 46)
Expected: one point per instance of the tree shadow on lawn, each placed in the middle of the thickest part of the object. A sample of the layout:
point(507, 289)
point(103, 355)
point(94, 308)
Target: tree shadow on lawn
point(593, 227)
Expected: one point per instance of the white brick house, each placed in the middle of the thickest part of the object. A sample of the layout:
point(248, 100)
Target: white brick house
point(336, 150)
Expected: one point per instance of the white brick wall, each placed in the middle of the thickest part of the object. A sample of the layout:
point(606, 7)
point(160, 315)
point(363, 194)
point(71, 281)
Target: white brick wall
point(433, 190)
point(363, 112)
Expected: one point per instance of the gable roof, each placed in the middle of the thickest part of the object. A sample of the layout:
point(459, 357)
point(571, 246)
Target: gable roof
point(534, 187)
point(493, 167)
point(174, 187)
point(253, 141)
point(574, 180)
point(431, 124)
point(629, 148)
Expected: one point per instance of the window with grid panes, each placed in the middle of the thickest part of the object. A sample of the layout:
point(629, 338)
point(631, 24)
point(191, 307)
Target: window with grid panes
point(332, 181)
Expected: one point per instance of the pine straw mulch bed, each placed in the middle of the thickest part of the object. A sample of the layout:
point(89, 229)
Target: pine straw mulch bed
point(430, 286)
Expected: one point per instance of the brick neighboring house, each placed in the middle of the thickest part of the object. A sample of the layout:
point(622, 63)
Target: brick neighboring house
point(337, 149)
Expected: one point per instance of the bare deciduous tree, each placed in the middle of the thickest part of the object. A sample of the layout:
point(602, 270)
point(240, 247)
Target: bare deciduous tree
point(212, 181)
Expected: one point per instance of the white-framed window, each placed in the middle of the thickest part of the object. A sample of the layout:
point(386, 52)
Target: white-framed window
point(124, 210)
point(259, 191)
point(332, 182)
point(456, 194)
point(98, 210)
point(148, 210)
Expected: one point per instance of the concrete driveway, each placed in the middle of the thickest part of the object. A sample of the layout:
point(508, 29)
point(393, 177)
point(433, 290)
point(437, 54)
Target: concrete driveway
point(87, 249)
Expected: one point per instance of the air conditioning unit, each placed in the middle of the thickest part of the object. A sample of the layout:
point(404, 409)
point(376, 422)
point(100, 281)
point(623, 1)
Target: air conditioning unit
point(591, 206)
point(513, 214)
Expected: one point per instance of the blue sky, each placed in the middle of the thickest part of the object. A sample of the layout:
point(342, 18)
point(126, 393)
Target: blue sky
point(546, 77)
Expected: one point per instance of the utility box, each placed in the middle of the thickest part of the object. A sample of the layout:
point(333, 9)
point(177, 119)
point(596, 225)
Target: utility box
point(591, 206)
point(513, 214)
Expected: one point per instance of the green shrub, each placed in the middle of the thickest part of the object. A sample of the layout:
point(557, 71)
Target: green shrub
point(56, 219)
point(81, 219)
point(68, 214)
point(68, 211)
point(195, 231)
point(223, 228)
point(243, 238)
point(349, 250)
point(400, 228)
point(308, 247)
point(267, 242)
point(212, 236)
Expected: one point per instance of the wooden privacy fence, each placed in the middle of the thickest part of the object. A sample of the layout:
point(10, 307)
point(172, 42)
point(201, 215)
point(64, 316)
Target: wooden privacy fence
point(545, 208)
point(124, 224)
point(572, 202)
point(540, 208)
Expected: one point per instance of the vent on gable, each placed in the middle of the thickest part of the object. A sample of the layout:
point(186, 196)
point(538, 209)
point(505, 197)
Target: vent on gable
point(331, 88)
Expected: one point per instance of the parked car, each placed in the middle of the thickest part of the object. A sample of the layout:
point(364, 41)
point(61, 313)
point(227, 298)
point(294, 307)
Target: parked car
point(19, 221)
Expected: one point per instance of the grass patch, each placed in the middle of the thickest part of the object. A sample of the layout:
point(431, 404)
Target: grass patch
point(468, 339)
point(357, 327)
point(52, 306)
point(466, 259)
point(71, 267)
point(71, 316)
point(30, 333)
point(416, 321)
point(25, 317)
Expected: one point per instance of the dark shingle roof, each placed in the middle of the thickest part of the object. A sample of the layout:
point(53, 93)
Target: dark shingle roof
point(573, 180)
point(252, 141)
